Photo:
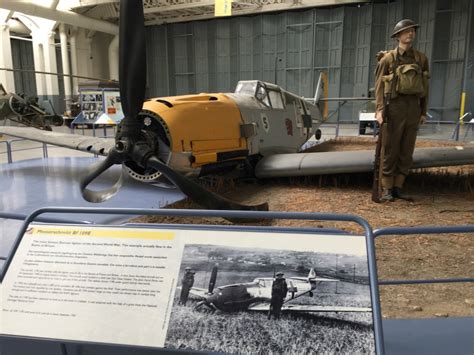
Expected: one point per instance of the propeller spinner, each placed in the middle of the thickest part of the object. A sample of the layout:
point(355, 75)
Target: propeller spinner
point(128, 145)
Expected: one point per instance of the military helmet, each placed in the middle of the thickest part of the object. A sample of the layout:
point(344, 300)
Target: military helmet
point(402, 26)
point(187, 268)
point(279, 274)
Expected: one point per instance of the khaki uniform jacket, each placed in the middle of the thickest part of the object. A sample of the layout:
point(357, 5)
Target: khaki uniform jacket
point(385, 68)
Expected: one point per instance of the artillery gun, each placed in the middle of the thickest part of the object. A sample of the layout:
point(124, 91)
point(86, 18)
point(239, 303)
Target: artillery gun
point(26, 111)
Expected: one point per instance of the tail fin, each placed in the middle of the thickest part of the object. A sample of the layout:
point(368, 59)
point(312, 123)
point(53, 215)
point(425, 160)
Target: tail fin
point(312, 274)
point(322, 91)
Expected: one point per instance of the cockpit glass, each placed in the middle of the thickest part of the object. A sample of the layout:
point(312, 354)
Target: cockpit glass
point(246, 87)
point(275, 98)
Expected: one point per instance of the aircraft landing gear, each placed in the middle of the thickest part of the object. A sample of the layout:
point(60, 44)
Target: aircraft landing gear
point(205, 307)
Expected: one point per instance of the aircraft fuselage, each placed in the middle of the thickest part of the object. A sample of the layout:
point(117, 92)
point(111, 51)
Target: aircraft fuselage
point(238, 297)
point(197, 134)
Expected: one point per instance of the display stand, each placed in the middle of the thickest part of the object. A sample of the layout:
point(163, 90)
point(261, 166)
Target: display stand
point(100, 105)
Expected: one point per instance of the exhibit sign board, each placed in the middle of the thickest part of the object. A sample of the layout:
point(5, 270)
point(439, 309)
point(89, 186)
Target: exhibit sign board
point(113, 106)
point(191, 289)
point(92, 105)
point(91, 284)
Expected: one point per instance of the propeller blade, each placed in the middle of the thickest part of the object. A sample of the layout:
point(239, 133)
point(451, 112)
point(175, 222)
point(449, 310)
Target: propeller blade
point(132, 66)
point(94, 171)
point(199, 194)
point(128, 146)
point(132, 75)
point(212, 280)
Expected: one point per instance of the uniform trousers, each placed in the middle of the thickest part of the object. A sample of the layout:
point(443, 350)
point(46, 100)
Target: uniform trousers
point(400, 137)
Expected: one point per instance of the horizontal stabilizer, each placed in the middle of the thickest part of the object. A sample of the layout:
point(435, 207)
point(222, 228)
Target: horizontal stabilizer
point(317, 279)
point(93, 145)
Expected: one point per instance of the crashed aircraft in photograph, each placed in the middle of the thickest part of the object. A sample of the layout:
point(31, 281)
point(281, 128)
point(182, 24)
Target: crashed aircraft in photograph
point(260, 127)
point(256, 295)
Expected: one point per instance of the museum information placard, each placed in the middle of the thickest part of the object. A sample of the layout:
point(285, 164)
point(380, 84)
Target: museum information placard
point(91, 284)
point(191, 289)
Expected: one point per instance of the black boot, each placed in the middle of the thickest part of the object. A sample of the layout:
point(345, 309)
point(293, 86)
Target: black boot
point(397, 193)
point(387, 195)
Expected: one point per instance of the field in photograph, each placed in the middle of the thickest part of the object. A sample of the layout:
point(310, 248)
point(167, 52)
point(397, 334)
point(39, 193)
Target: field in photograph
point(246, 332)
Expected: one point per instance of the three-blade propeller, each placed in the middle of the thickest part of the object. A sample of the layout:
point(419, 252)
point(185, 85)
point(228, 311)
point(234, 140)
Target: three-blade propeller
point(128, 145)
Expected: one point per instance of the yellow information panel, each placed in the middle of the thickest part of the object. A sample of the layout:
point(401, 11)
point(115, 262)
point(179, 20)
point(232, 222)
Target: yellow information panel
point(223, 8)
point(190, 289)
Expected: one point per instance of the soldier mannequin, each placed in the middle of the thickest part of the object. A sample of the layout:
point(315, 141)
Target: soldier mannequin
point(405, 111)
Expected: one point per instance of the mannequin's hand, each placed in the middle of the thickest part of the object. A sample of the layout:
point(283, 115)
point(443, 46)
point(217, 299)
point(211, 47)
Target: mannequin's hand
point(379, 117)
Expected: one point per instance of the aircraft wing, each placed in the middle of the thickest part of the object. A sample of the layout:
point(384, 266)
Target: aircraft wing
point(264, 307)
point(198, 292)
point(320, 163)
point(93, 145)
point(315, 308)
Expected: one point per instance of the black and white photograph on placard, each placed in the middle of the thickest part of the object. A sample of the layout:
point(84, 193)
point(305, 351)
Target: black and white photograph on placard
point(259, 292)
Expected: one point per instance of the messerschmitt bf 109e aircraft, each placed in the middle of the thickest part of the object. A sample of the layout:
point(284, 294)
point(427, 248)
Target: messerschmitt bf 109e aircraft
point(256, 295)
point(260, 126)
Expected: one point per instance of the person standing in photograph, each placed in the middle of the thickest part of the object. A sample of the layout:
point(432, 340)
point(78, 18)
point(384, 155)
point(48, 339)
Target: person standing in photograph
point(279, 291)
point(401, 92)
point(186, 283)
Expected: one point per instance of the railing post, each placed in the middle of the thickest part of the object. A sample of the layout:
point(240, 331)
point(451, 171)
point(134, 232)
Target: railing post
point(9, 152)
point(455, 134)
point(45, 150)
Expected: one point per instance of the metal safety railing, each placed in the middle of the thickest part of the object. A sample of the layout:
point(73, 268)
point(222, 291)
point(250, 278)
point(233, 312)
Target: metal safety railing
point(10, 150)
point(462, 121)
point(94, 129)
point(429, 230)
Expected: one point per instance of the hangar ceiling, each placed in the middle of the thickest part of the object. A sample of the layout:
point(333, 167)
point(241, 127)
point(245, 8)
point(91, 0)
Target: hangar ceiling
point(169, 11)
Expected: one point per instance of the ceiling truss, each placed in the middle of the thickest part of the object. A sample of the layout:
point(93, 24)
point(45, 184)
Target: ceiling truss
point(169, 11)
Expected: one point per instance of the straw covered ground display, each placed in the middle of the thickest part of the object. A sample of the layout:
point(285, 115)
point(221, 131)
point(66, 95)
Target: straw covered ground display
point(443, 196)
